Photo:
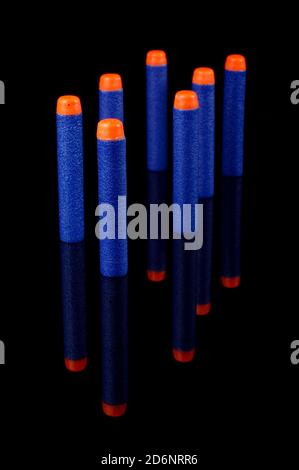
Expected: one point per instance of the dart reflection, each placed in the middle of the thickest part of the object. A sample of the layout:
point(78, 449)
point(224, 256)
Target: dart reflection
point(73, 295)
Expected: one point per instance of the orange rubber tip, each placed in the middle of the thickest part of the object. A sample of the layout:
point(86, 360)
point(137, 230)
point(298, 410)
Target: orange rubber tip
point(68, 105)
point(235, 63)
point(156, 276)
point(203, 76)
point(230, 282)
point(110, 82)
point(110, 129)
point(203, 309)
point(77, 365)
point(156, 58)
point(114, 410)
point(183, 356)
point(186, 100)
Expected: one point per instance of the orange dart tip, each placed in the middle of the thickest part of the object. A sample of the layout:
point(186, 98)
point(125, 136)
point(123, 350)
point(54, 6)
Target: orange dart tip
point(186, 100)
point(68, 105)
point(110, 82)
point(203, 309)
point(156, 58)
point(203, 76)
point(235, 63)
point(110, 129)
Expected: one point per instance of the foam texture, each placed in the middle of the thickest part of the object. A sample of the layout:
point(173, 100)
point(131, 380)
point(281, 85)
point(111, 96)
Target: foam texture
point(183, 297)
point(156, 249)
point(206, 99)
point(73, 295)
point(204, 260)
point(70, 177)
point(112, 183)
point(185, 162)
point(233, 123)
point(111, 105)
point(156, 116)
point(114, 340)
point(231, 211)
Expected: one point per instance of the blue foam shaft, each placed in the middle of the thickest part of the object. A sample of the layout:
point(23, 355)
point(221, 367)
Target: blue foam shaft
point(156, 249)
point(114, 340)
point(206, 98)
point(231, 211)
point(204, 261)
point(185, 191)
point(185, 162)
point(233, 122)
point(70, 177)
point(156, 117)
point(73, 296)
point(111, 184)
point(111, 105)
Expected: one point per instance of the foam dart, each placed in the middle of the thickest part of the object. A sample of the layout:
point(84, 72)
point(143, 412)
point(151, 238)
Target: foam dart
point(112, 184)
point(111, 97)
point(231, 211)
point(70, 169)
point(73, 296)
point(156, 248)
point(203, 83)
point(185, 191)
point(156, 110)
point(233, 115)
point(114, 345)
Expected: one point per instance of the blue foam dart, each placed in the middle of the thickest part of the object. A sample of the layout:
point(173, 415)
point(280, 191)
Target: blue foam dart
point(233, 115)
point(114, 344)
point(203, 83)
point(156, 110)
point(111, 97)
point(185, 191)
point(73, 295)
point(156, 248)
point(231, 211)
point(112, 185)
point(70, 169)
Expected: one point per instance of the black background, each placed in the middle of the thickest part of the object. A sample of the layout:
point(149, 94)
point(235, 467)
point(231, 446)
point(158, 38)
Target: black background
point(237, 401)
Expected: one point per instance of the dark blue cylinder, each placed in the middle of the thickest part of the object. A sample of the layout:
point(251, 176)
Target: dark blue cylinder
point(73, 295)
point(111, 105)
point(185, 161)
point(233, 116)
point(70, 169)
point(114, 344)
point(156, 248)
point(206, 99)
point(183, 301)
point(156, 110)
point(111, 97)
point(112, 184)
point(185, 191)
point(204, 260)
point(231, 211)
